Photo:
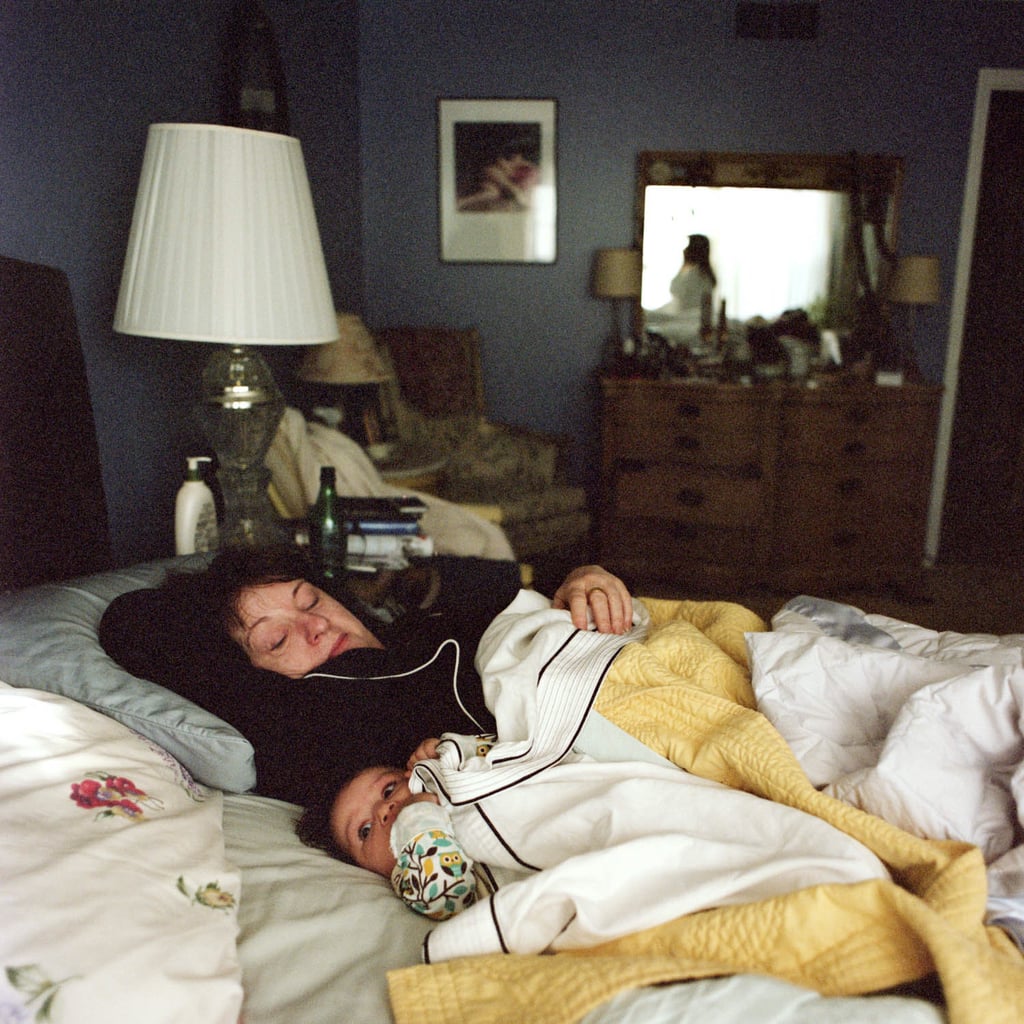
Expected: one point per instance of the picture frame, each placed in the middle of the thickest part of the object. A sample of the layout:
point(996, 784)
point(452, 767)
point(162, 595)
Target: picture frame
point(497, 180)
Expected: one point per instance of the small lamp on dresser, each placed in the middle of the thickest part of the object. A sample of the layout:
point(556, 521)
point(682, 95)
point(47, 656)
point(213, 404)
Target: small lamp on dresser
point(616, 276)
point(346, 376)
point(914, 283)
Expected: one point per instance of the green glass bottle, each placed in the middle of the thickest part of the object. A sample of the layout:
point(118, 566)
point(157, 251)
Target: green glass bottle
point(327, 539)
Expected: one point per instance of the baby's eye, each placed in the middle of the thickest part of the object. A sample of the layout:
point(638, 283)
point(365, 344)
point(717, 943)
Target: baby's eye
point(364, 832)
point(389, 789)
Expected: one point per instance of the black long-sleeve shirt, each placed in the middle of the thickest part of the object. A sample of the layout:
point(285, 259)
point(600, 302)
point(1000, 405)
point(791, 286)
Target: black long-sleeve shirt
point(313, 733)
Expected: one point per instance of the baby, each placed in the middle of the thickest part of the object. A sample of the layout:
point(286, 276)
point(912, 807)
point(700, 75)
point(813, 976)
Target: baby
point(378, 823)
point(605, 836)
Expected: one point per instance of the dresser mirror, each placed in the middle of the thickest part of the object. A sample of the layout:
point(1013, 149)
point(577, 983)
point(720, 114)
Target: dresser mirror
point(786, 231)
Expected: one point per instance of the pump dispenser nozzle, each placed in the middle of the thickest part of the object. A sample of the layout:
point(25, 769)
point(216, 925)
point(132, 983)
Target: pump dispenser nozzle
point(193, 461)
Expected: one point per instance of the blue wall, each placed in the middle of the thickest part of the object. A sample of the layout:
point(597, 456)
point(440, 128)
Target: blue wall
point(81, 79)
point(891, 76)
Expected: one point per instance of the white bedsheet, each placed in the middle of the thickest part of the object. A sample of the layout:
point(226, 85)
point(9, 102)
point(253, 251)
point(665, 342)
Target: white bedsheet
point(921, 728)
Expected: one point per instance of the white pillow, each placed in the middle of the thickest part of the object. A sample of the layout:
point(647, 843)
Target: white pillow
point(118, 904)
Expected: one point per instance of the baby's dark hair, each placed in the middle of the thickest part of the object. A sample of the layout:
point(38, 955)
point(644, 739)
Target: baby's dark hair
point(314, 824)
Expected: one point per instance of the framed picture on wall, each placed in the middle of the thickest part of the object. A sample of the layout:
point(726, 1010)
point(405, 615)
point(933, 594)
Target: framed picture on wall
point(497, 195)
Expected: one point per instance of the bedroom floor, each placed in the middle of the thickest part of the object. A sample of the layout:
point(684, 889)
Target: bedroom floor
point(967, 599)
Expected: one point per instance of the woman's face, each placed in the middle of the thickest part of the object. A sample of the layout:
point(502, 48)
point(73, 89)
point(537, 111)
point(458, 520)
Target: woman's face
point(293, 627)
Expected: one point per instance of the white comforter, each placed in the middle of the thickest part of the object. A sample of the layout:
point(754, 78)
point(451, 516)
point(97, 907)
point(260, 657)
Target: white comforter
point(921, 728)
point(590, 851)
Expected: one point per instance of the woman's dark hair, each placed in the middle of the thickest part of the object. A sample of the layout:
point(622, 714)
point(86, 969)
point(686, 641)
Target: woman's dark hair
point(698, 252)
point(204, 604)
point(239, 566)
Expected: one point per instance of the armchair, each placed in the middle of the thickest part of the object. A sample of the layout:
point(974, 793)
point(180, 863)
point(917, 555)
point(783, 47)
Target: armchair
point(510, 475)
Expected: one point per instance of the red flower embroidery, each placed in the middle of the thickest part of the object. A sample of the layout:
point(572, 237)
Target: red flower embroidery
point(110, 794)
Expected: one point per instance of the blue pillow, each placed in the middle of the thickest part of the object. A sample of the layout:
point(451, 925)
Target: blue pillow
point(49, 641)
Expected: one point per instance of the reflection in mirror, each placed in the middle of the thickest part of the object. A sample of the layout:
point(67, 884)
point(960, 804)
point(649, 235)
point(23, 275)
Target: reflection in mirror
point(781, 230)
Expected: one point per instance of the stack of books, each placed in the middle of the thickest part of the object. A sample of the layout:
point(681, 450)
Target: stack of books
point(383, 533)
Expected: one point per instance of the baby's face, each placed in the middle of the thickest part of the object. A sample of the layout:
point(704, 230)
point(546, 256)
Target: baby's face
point(364, 812)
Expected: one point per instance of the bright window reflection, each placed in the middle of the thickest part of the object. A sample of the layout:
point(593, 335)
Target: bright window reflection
point(771, 249)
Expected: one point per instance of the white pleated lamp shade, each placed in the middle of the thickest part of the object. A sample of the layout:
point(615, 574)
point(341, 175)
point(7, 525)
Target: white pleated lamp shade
point(224, 245)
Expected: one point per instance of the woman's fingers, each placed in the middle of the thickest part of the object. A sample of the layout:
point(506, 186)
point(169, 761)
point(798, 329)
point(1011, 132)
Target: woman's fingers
point(606, 596)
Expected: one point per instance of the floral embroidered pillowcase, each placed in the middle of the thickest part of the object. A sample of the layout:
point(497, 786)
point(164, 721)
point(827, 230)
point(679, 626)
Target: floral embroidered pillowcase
point(116, 898)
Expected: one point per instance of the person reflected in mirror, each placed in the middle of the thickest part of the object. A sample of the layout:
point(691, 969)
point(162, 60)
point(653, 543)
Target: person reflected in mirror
point(693, 286)
point(684, 319)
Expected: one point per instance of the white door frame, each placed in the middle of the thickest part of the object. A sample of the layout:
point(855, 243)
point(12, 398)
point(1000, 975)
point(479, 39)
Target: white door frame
point(990, 80)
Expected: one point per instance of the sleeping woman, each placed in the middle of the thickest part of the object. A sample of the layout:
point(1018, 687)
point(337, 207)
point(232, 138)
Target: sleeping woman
point(242, 637)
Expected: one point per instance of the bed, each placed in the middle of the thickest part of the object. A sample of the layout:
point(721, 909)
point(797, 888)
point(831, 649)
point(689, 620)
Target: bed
point(142, 879)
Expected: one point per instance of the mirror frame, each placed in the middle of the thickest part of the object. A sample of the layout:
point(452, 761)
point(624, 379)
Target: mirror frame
point(877, 177)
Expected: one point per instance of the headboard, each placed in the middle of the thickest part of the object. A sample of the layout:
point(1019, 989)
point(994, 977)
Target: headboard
point(53, 511)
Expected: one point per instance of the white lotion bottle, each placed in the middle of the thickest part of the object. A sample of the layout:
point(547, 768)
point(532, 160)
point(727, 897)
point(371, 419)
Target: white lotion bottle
point(195, 513)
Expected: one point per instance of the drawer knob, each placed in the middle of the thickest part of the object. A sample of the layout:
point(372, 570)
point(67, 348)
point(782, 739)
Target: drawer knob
point(689, 497)
point(845, 538)
point(685, 531)
point(687, 444)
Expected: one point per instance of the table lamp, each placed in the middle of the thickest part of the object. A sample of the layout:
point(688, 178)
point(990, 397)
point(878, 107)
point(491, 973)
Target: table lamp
point(353, 362)
point(915, 282)
point(224, 249)
point(616, 276)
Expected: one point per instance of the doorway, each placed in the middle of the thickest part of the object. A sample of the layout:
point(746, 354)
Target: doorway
point(977, 510)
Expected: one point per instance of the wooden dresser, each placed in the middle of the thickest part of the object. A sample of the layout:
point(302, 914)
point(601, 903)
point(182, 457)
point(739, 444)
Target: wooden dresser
point(804, 489)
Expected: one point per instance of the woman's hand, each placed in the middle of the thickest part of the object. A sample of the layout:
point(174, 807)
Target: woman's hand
point(606, 595)
point(424, 752)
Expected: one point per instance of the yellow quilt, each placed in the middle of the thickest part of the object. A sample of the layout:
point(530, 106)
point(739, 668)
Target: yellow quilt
point(685, 691)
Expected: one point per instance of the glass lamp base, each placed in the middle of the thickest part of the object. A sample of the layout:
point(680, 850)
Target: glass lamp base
point(240, 410)
point(249, 515)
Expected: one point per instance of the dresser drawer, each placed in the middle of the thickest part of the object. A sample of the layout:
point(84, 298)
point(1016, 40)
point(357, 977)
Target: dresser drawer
point(663, 548)
point(685, 494)
point(691, 443)
point(854, 551)
point(865, 430)
point(879, 494)
point(685, 424)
